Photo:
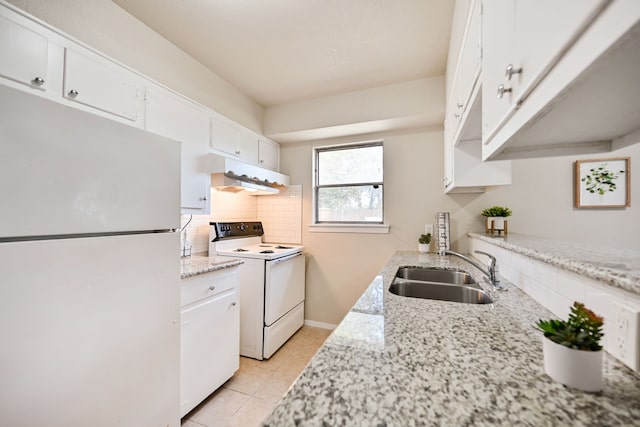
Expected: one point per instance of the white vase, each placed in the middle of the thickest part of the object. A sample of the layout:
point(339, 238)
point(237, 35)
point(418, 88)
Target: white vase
point(423, 247)
point(498, 222)
point(580, 369)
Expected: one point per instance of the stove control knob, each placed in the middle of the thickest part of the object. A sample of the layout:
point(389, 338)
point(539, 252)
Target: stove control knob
point(242, 227)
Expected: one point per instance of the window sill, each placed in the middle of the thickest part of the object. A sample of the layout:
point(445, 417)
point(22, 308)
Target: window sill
point(350, 228)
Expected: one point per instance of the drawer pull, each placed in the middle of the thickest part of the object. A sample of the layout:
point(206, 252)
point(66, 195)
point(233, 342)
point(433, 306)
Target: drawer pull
point(233, 304)
point(212, 288)
point(510, 71)
point(502, 90)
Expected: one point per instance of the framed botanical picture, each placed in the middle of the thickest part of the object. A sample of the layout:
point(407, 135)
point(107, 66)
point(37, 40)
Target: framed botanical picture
point(603, 183)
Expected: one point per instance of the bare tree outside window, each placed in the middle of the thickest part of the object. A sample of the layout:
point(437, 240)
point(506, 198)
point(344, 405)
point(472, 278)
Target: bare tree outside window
point(349, 184)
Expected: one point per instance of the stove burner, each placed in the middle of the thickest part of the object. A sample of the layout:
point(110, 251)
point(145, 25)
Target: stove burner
point(268, 251)
point(283, 247)
point(241, 250)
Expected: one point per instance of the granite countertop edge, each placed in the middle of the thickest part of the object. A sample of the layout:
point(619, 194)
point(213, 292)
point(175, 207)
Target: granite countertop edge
point(619, 278)
point(202, 264)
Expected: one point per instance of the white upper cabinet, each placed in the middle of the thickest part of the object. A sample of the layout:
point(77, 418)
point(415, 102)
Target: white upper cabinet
point(100, 84)
point(522, 41)
point(23, 54)
point(557, 76)
point(177, 118)
point(234, 141)
point(269, 154)
point(465, 172)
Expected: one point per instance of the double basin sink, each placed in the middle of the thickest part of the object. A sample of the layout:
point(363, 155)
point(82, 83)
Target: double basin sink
point(438, 284)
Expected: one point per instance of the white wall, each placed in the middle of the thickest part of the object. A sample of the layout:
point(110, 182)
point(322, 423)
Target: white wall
point(411, 104)
point(108, 28)
point(341, 266)
point(542, 200)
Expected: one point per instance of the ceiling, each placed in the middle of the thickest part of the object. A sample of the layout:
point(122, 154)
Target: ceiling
point(282, 51)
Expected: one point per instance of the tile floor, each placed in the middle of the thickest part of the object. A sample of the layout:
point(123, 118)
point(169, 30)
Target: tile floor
point(252, 393)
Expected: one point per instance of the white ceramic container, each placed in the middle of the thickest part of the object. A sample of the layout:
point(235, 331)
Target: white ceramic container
point(579, 369)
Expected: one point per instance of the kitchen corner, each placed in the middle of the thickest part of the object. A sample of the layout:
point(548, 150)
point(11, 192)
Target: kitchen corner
point(405, 361)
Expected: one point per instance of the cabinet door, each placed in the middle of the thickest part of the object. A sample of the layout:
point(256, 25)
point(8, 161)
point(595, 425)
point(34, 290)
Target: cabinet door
point(23, 54)
point(468, 69)
point(522, 41)
point(209, 347)
point(268, 154)
point(169, 115)
point(536, 51)
point(99, 84)
point(233, 141)
point(498, 21)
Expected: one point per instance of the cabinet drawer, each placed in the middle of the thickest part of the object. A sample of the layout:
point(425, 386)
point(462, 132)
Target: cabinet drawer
point(206, 285)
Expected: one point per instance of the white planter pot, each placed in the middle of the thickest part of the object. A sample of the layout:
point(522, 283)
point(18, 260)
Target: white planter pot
point(498, 222)
point(423, 247)
point(579, 369)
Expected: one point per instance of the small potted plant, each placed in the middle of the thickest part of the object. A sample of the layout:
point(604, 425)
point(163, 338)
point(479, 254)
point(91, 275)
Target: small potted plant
point(572, 349)
point(496, 218)
point(423, 242)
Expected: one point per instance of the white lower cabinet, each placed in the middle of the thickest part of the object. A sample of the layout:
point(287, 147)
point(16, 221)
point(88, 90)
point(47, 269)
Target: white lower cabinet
point(210, 335)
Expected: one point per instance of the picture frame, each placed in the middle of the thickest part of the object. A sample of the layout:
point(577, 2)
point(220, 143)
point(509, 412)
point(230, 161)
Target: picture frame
point(603, 183)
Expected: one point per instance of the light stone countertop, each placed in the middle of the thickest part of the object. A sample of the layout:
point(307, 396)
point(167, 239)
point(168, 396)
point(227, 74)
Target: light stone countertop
point(201, 264)
point(398, 361)
point(615, 267)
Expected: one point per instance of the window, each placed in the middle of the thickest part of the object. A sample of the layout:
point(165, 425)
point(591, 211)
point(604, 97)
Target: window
point(348, 184)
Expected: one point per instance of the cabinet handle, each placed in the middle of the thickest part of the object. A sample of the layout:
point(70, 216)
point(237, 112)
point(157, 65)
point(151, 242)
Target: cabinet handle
point(212, 288)
point(459, 105)
point(38, 81)
point(233, 304)
point(510, 71)
point(261, 161)
point(73, 93)
point(502, 90)
point(456, 115)
point(237, 152)
point(203, 199)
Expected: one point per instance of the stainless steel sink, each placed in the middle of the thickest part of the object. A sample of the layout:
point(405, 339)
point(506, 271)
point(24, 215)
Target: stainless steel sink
point(438, 284)
point(441, 291)
point(440, 275)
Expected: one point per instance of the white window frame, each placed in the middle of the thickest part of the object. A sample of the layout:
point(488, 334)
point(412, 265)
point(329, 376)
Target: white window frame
point(344, 227)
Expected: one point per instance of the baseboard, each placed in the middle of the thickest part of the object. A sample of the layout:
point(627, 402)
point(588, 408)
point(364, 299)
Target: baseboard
point(322, 325)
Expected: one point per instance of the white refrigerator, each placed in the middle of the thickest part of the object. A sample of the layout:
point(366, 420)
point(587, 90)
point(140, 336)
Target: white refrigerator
point(89, 269)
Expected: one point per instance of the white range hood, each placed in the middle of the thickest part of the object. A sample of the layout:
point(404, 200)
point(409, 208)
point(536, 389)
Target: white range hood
point(235, 176)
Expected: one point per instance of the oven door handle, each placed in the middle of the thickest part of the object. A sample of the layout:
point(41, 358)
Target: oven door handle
point(287, 258)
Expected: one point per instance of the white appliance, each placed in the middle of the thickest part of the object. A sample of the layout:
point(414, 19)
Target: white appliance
point(272, 285)
point(89, 277)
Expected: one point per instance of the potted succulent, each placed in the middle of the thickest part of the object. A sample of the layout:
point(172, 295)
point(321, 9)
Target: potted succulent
point(496, 218)
point(572, 349)
point(423, 242)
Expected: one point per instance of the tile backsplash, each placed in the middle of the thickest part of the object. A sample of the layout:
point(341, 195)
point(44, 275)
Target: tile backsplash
point(281, 215)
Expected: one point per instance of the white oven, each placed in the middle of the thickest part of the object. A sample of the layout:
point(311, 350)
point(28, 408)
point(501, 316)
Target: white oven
point(272, 286)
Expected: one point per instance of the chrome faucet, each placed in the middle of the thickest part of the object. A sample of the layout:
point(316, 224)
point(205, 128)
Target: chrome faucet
point(490, 272)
